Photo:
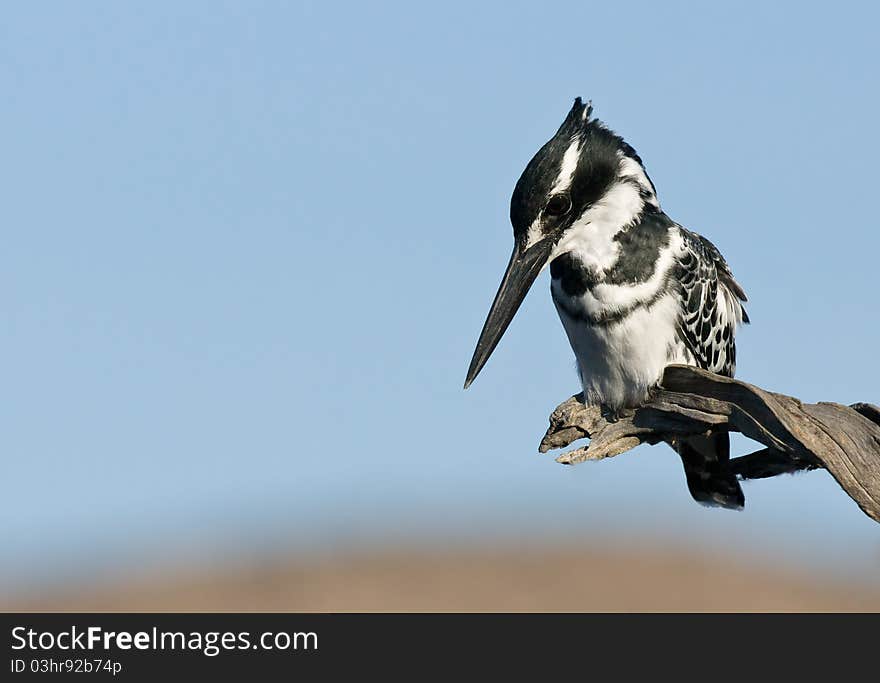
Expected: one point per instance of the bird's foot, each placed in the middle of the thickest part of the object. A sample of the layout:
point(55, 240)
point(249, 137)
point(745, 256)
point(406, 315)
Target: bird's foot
point(612, 415)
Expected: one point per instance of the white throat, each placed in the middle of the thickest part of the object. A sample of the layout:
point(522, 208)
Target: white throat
point(591, 236)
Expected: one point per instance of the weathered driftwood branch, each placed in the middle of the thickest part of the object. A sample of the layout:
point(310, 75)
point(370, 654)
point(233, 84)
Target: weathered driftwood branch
point(845, 440)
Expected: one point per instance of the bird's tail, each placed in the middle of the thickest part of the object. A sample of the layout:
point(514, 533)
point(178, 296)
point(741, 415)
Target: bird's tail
point(706, 461)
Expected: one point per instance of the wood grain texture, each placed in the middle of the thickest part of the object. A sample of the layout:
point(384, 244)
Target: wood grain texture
point(845, 440)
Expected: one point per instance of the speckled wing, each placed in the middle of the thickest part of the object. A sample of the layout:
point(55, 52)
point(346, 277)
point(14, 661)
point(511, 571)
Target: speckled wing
point(711, 305)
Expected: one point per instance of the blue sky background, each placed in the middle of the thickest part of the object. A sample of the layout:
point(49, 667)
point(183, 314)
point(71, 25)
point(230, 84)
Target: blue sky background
point(248, 248)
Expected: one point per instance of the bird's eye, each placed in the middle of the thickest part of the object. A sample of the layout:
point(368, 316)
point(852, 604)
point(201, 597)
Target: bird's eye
point(558, 205)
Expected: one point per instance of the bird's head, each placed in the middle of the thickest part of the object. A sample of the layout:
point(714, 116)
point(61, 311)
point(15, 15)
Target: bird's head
point(578, 169)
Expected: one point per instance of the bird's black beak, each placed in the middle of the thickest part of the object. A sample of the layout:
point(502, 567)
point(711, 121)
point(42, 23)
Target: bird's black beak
point(523, 269)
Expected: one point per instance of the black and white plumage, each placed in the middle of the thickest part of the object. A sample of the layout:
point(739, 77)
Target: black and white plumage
point(635, 291)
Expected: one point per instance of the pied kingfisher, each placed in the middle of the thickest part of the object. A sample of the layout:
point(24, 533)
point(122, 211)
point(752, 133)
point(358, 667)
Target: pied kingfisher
point(635, 291)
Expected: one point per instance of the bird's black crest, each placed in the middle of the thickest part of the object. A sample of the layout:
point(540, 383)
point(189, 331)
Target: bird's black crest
point(580, 111)
point(597, 167)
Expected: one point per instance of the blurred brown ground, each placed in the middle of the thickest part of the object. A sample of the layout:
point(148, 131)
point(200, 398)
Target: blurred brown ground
point(488, 579)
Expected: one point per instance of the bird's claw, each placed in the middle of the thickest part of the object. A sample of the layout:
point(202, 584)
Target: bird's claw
point(613, 416)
